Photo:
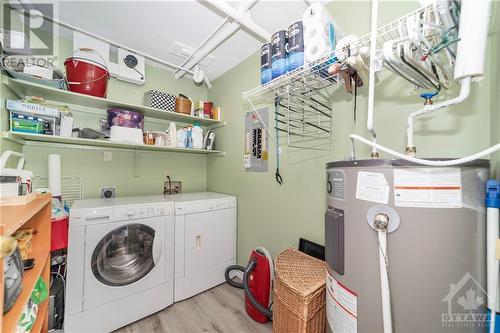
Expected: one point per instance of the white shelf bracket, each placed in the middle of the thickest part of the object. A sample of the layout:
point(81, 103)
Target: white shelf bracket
point(136, 163)
point(216, 126)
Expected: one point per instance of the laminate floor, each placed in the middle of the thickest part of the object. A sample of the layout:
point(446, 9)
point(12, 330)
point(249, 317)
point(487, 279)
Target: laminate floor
point(220, 309)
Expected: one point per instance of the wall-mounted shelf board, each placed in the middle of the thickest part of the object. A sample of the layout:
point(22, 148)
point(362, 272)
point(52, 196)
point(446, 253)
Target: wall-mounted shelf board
point(12, 218)
point(25, 88)
point(35, 215)
point(24, 138)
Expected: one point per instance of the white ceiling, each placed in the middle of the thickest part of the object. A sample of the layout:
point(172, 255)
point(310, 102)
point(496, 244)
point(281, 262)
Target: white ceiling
point(153, 26)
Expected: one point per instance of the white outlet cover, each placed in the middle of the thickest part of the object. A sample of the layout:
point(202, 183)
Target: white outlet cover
point(108, 156)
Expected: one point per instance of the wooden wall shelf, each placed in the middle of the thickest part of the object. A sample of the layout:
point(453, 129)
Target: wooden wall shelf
point(35, 215)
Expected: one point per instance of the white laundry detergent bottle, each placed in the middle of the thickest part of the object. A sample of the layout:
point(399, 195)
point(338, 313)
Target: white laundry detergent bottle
point(181, 138)
point(197, 135)
point(172, 135)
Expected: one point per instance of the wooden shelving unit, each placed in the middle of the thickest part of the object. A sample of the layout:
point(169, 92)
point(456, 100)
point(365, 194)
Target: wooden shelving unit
point(35, 215)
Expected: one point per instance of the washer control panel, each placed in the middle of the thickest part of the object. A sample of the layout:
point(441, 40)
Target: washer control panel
point(142, 211)
point(204, 206)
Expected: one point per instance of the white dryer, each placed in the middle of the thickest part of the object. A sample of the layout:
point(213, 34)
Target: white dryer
point(120, 262)
point(205, 241)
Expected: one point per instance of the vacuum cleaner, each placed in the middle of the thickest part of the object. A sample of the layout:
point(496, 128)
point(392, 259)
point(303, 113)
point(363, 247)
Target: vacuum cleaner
point(258, 278)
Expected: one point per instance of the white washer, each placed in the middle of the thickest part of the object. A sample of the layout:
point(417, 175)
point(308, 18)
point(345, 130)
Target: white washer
point(120, 262)
point(205, 241)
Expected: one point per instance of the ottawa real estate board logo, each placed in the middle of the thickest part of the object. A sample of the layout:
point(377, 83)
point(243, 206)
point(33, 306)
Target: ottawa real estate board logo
point(28, 33)
point(466, 301)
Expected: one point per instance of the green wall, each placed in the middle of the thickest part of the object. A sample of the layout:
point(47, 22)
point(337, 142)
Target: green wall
point(276, 216)
point(4, 122)
point(268, 214)
point(88, 164)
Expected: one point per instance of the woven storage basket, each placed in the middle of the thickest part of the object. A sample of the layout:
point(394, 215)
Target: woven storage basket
point(299, 293)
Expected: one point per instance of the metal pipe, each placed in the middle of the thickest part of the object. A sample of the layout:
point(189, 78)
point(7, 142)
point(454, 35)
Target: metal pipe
point(196, 57)
point(145, 55)
point(213, 44)
point(203, 43)
point(242, 19)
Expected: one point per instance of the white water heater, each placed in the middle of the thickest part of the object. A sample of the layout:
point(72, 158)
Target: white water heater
point(435, 251)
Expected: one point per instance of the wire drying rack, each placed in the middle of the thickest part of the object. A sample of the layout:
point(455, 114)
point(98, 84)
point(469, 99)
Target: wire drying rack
point(304, 113)
point(71, 187)
point(305, 94)
point(390, 31)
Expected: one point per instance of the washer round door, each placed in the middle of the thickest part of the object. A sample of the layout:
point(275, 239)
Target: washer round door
point(125, 255)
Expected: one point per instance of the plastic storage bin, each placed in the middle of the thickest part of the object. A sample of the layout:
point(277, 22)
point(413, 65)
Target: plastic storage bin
point(299, 293)
point(32, 124)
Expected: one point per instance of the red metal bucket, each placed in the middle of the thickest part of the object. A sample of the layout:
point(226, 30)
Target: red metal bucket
point(87, 76)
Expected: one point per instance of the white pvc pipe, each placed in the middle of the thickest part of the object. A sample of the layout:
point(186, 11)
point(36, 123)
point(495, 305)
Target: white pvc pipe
point(493, 313)
point(384, 281)
point(121, 46)
point(243, 7)
point(492, 281)
point(424, 161)
point(242, 19)
point(213, 44)
point(371, 81)
point(463, 95)
point(202, 44)
point(492, 234)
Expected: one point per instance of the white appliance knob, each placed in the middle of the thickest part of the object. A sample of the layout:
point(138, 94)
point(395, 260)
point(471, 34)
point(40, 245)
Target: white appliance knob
point(130, 213)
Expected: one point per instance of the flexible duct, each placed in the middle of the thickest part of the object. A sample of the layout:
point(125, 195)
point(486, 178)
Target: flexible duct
point(384, 281)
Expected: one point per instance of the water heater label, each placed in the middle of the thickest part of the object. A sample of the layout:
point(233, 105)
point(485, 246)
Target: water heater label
point(428, 187)
point(341, 306)
point(336, 184)
point(372, 186)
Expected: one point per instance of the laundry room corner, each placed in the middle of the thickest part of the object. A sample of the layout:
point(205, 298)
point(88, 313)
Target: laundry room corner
point(254, 166)
point(297, 208)
point(129, 172)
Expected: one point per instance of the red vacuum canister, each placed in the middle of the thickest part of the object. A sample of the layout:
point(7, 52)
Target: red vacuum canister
point(259, 284)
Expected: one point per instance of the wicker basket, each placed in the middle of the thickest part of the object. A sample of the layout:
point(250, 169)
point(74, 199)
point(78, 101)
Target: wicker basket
point(299, 293)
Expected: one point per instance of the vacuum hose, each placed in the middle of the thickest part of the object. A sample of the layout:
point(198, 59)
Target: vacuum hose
point(246, 274)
